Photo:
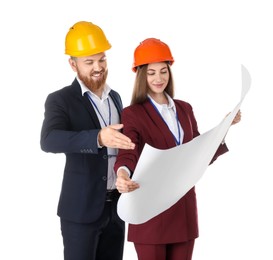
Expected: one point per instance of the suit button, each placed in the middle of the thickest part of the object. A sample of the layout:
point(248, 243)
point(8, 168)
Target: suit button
point(105, 157)
point(104, 178)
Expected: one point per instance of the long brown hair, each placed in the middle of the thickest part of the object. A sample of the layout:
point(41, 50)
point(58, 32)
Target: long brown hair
point(141, 87)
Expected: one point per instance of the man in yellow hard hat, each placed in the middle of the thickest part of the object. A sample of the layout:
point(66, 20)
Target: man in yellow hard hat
point(83, 122)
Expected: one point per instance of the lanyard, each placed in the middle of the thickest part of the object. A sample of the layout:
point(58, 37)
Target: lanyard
point(109, 108)
point(177, 141)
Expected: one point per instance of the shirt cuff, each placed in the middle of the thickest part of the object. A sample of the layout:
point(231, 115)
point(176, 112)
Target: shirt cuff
point(124, 168)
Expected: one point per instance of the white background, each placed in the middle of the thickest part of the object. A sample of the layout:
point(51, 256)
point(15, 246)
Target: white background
point(209, 40)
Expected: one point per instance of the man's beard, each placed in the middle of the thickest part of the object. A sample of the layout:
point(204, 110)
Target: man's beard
point(94, 85)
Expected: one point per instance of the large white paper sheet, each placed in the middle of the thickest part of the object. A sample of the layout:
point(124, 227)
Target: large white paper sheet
point(167, 175)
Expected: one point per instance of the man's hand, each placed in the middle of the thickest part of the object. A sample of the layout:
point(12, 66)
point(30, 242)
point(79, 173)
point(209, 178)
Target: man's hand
point(110, 136)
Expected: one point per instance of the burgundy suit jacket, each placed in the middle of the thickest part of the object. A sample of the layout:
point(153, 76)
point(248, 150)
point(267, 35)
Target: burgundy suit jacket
point(143, 124)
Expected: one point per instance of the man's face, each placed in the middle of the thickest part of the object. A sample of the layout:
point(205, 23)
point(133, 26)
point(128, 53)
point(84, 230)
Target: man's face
point(92, 70)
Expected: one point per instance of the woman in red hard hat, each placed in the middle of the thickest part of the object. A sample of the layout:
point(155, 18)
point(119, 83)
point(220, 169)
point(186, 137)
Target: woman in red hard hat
point(156, 118)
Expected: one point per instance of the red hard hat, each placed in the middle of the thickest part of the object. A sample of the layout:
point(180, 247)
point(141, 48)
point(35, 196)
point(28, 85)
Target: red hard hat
point(151, 50)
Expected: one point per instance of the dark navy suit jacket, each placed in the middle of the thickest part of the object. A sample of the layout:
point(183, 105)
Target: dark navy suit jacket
point(71, 127)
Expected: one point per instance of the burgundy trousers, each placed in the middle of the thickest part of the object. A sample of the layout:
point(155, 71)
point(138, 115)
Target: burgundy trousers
point(177, 251)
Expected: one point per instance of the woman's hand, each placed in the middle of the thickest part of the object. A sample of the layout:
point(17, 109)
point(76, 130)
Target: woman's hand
point(124, 183)
point(237, 118)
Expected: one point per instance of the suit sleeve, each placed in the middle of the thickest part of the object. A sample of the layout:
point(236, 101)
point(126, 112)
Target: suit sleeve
point(129, 158)
point(58, 135)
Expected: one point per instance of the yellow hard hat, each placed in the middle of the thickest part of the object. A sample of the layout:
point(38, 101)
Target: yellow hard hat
point(85, 39)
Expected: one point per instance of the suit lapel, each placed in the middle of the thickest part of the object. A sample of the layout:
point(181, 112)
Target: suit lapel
point(84, 99)
point(86, 103)
point(183, 118)
point(160, 124)
point(117, 101)
point(185, 122)
point(91, 110)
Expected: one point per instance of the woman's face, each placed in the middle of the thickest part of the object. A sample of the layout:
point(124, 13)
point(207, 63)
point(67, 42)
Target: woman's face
point(157, 77)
